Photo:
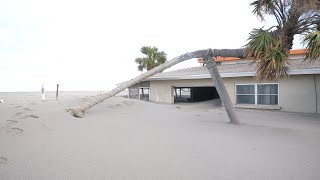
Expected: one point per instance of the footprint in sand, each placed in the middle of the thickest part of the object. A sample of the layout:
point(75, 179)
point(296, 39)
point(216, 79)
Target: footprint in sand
point(25, 114)
point(18, 114)
point(3, 160)
point(29, 116)
point(14, 131)
point(10, 121)
point(27, 109)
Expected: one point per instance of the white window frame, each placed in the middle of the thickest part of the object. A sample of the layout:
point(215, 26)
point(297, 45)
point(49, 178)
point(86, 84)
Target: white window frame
point(256, 93)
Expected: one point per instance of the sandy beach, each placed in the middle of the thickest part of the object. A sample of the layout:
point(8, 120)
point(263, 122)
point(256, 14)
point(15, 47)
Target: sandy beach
point(131, 139)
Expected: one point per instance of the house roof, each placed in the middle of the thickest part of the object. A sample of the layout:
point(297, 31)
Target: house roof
point(244, 69)
point(223, 59)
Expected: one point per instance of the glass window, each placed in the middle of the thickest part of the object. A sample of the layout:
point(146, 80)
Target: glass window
point(267, 88)
point(245, 99)
point(268, 99)
point(264, 94)
point(245, 89)
point(245, 94)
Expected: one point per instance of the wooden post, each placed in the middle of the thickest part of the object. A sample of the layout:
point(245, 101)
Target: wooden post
point(57, 92)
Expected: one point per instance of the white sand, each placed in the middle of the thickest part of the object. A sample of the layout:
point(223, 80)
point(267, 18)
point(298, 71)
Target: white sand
point(131, 139)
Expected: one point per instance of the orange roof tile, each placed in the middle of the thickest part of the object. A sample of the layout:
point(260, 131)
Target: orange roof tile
point(297, 51)
point(221, 59)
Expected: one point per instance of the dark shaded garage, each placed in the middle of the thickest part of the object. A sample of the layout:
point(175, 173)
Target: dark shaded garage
point(194, 94)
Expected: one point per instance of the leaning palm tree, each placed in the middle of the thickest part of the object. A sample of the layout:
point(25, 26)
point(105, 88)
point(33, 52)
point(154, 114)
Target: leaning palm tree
point(211, 66)
point(152, 58)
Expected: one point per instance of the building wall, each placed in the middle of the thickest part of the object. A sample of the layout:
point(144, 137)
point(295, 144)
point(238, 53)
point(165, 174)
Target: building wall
point(134, 91)
point(317, 80)
point(299, 93)
point(296, 94)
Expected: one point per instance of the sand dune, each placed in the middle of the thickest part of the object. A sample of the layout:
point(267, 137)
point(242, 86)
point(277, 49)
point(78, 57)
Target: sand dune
point(130, 139)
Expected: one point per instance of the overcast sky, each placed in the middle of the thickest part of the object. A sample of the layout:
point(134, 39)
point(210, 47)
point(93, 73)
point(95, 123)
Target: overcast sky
point(92, 45)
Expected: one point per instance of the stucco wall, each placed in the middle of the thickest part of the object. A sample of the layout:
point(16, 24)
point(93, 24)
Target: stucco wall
point(317, 79)
point(297, 94)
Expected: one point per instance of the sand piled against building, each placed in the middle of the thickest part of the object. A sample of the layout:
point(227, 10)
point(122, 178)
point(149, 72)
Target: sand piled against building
point(131, 139)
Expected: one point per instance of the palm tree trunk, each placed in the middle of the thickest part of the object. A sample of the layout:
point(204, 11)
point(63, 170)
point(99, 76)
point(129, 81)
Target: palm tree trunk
point(222, 91)
point(79, 111)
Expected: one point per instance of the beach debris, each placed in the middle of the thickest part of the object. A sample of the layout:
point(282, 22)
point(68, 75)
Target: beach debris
point(18, 106)
point(1, 101)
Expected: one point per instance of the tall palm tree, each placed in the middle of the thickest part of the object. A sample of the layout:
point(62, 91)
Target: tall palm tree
point(152, 59)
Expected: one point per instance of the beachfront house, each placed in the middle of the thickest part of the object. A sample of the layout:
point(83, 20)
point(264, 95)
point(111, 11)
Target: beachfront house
point(299, 93)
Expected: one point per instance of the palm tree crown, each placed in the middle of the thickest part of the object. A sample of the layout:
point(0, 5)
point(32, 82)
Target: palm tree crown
point(271, 46)
point(152, 58)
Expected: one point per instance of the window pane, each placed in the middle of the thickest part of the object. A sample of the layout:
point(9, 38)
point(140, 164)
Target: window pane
point(267, 88)
point(245, 89)
point(245, 99)
point(268, 99)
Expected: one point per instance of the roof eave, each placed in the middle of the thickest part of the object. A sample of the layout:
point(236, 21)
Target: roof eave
point(239, 74)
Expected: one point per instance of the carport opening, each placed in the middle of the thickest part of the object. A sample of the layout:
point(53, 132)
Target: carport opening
point(195, 94)
point(144, 93)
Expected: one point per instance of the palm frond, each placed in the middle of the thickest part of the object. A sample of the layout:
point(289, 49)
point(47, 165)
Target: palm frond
point(160, 58)
point(261, 7)
point(141, 63)
point(144, 50)
point(312, 42)
point(260, 41)
point(140, 67)
point(273, 65)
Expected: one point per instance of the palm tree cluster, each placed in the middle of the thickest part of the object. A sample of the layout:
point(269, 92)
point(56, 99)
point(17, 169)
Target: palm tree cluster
point(270, 47)
point(153, 58)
